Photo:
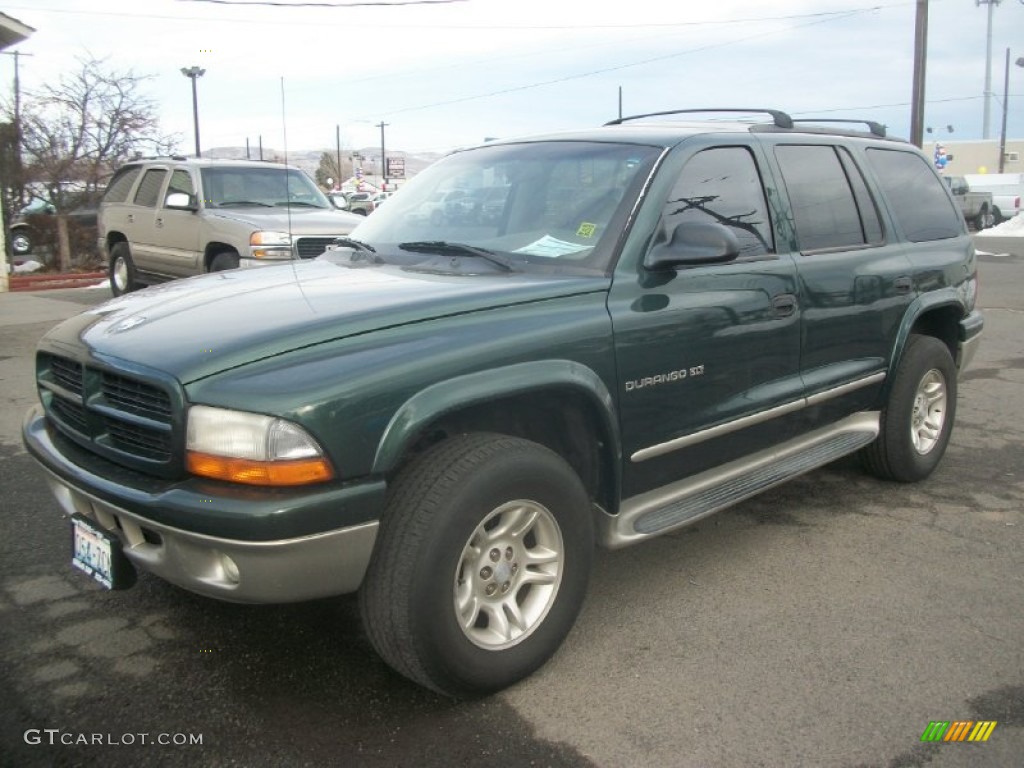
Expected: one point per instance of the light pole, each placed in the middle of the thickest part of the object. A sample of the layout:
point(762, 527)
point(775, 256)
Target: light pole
point(1006, 99)
point(193, 74)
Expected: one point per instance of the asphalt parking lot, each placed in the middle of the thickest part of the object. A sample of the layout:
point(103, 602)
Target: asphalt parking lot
point(825, 623)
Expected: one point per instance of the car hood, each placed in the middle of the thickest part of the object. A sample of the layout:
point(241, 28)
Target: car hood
point(199, 326)
point(300, 221)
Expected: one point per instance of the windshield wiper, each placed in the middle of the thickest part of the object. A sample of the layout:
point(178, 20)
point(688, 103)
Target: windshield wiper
point(358, 249)
point(298, 204)
point(232, 203)
point(459, 249)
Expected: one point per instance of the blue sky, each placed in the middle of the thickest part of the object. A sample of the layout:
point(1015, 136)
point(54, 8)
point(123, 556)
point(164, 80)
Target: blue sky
point(450, 74)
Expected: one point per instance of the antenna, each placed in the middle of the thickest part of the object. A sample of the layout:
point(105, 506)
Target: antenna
point(287, 171)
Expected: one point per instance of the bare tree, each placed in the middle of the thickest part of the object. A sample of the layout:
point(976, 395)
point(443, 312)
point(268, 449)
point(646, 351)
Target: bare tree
point(76, 132)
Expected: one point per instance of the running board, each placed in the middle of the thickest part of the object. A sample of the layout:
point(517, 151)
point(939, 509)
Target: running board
point(687, 501)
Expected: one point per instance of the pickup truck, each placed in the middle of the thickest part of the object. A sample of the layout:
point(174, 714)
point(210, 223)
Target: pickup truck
point(976, 206)
point(1007, 190)
point(657, 320)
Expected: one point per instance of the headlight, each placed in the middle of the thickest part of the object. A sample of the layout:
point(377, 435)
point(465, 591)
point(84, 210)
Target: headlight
point(252, 448)
point(270, 245)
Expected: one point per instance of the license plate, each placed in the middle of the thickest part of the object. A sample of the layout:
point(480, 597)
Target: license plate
point(98, 554)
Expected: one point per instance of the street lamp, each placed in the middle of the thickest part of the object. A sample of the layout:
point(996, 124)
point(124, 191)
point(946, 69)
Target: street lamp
point(1006, 98)
point(193, 74)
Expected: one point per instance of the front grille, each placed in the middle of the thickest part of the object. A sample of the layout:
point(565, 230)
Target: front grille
point(68, 374)
point(71, 413)
point(134, 439)
point(311, 247)
point(127, 418)
point(137, 397)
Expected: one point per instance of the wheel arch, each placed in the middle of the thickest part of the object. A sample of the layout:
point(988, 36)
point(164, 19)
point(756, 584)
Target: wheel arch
point(557, 403)
point(932, 315)
point(113, 238)
point(213, 249)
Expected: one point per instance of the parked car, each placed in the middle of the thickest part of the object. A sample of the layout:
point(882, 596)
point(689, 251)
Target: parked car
point(437, 206)
point(35, 225)
point(173, 217)
point(362, 203)
point(446, 417)
point(976, 206)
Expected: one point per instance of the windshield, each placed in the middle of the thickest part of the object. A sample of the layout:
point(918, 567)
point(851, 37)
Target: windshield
point(260, 186)
point(550, 205)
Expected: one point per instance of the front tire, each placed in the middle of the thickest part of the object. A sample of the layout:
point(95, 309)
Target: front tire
point(122, 270)
point(481, 564)
point(224, 261)
point(918, 419)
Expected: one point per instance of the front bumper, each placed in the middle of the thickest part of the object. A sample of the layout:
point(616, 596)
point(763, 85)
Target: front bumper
point(245, 564)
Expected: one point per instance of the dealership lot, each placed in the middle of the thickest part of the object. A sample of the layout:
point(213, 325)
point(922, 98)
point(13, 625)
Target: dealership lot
point(825, 623)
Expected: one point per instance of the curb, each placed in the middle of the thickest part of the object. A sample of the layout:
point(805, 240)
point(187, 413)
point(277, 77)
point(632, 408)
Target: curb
point(40, 282)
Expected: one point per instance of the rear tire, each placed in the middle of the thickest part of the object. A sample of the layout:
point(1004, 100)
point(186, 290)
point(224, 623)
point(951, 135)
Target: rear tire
point(481, 564)
point(984, 220)
point(918, 418)
point(122, 270)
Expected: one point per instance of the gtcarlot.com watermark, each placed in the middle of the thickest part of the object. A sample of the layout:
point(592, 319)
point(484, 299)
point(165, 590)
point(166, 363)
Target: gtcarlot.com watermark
point(58, 736)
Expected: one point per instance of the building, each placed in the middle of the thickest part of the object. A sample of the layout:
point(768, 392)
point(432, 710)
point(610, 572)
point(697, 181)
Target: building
point(963, 157)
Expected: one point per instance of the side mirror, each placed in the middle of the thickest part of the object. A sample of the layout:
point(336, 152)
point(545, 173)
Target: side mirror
point(693, 243)
point(181, 201)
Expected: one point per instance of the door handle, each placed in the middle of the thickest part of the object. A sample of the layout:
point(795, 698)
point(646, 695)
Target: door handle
point(159, 222)
point(784, 304)
point(131, 218)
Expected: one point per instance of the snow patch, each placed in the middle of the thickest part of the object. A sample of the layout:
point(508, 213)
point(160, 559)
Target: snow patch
point(25, 267)
point(1010, 228)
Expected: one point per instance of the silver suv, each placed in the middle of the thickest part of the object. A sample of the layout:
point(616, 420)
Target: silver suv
point(172, 217)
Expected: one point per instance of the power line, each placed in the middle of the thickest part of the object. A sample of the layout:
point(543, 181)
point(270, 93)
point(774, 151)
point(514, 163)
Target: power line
point(618, 67)
point(477, 27)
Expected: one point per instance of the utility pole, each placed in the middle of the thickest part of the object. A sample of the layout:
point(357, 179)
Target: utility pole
point(920, 57)
point(16, 150)
point(337, 153)
point(985, 129)
point(383, 160)
point(1006, 101)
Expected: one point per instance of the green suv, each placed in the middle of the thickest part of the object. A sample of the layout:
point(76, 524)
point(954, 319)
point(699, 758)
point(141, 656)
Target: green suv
point(656, 319)
point(170, 217)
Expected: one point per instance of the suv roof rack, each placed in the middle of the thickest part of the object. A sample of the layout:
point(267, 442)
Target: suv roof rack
point(780, 118)
point(877, 129)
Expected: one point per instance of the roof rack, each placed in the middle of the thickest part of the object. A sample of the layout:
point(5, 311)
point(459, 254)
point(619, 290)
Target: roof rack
point(780, 118)
point(877, 129)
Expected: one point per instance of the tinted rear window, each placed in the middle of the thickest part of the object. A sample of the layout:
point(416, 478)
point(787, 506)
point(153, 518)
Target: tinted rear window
point(824, 207)
point(916, 196)
point(149, 188)
point(121, 184)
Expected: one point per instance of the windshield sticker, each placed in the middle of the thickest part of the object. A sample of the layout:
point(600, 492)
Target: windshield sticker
point(586, 229)
point(551, 247)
